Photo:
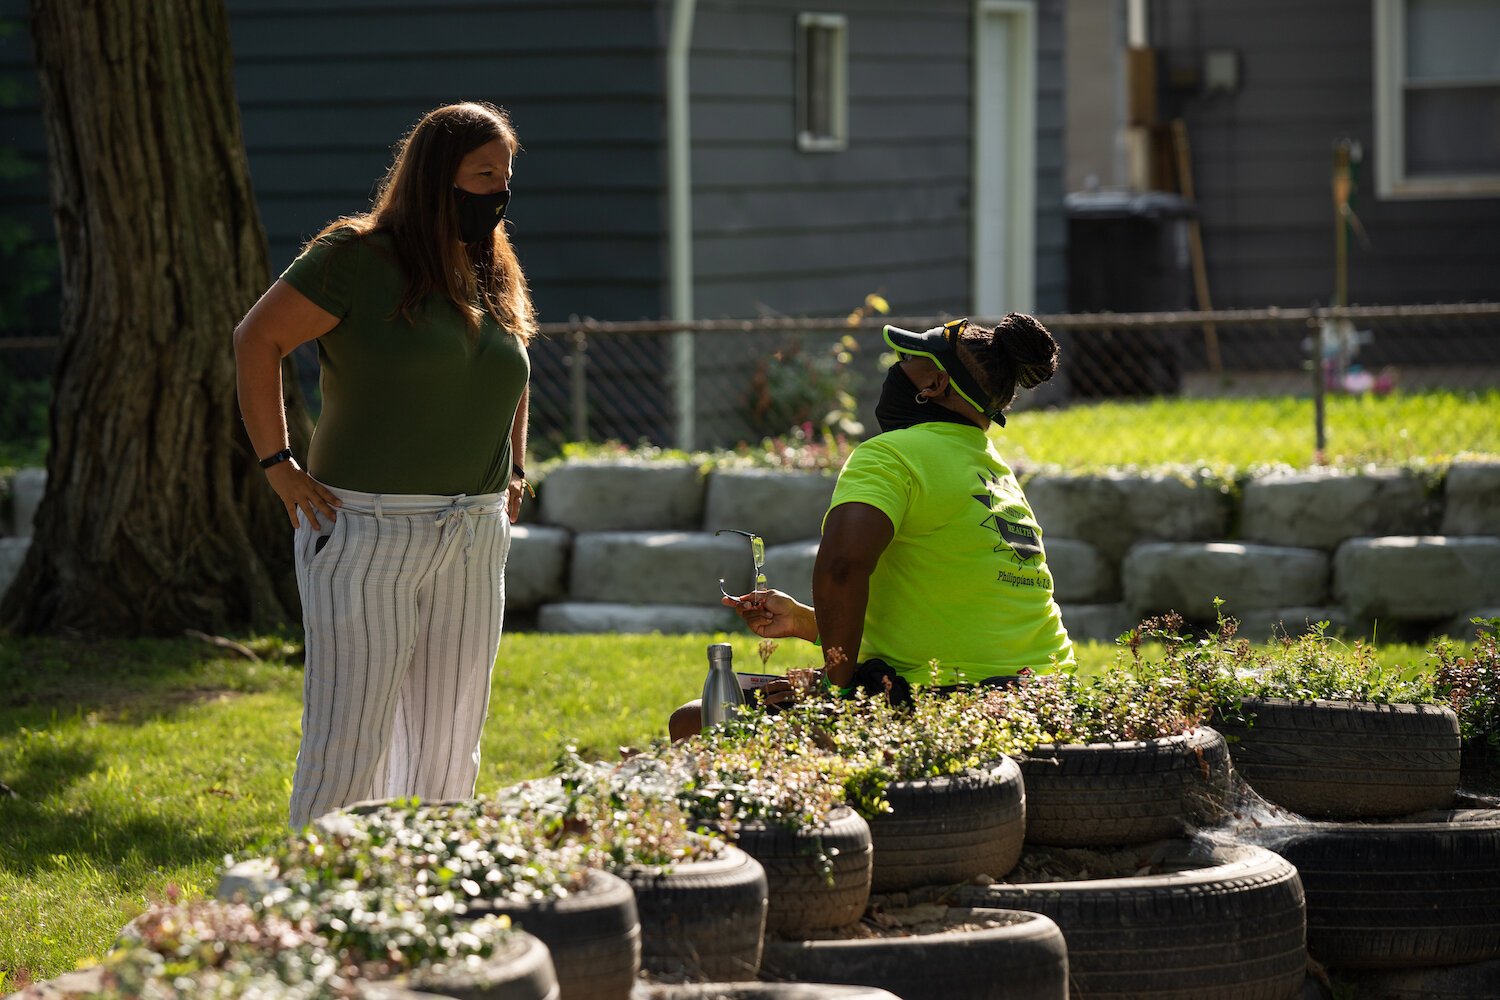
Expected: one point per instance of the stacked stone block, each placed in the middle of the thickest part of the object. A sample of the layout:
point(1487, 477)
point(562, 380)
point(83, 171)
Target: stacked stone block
point(20, 496)
point(630, 546)
point(1282, 551)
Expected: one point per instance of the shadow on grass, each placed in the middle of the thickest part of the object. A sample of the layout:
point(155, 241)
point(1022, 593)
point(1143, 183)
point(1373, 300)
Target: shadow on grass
point(35, 838)
point(41, 772)
point(130, 681)
point(37, 830)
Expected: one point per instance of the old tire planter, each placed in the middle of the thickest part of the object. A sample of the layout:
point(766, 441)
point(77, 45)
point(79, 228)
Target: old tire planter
point(950, 829)
point(1346, 759)
point(594, 935)
point(520, 969)
point(802, 899)
point(1023, 959)
point(1227, 923)
point(1424, 891)
point(1114, 794)
point(702, 919)
point(759, 991)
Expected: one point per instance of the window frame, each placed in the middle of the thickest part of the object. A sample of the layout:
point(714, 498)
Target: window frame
point(837, 83)
point(1391, 179)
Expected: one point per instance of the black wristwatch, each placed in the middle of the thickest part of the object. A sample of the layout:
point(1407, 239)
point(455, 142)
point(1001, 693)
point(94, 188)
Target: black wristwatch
point(516, 472)
point(284, 455)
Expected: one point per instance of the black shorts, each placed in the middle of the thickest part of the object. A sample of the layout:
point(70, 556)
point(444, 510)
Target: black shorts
point(876, 677)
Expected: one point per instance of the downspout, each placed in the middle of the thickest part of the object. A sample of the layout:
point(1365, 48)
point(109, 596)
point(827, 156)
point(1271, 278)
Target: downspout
point(680, 215)
point(1137, 138)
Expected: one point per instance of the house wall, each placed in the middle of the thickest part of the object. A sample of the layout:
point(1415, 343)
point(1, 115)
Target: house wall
point(779, 231)
point(1262, 161)
point(1096, 94)
point(326, 87)
point(789, 232)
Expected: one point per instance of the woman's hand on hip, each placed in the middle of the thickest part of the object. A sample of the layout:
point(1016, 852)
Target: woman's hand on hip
point(513, 494)
point(299, 491)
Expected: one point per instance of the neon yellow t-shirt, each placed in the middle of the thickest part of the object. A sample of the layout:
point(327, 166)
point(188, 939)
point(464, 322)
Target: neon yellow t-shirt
point(965, 579)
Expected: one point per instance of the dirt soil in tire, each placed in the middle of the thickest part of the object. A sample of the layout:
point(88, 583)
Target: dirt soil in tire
point(917, 919)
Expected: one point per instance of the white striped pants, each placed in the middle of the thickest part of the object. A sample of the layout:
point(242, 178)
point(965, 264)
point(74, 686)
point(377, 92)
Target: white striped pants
point(402, 606)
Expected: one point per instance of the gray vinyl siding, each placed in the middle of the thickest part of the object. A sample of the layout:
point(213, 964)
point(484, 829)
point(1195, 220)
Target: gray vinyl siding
point(798, 232)
point(1262, 161)
point(1051, 121)
point(780, 231)
point(326, 88)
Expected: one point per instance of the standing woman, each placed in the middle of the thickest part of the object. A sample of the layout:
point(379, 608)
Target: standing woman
point(415, 472)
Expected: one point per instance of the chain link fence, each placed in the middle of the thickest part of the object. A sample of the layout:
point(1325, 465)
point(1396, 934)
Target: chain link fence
point(757, 378)
point(752, 379)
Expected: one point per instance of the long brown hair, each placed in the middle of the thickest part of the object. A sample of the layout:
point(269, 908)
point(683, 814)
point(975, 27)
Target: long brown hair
point(415, 204)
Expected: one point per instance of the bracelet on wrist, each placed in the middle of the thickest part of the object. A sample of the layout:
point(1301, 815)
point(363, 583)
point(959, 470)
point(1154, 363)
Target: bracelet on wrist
point(516, 472)
point(284, 455)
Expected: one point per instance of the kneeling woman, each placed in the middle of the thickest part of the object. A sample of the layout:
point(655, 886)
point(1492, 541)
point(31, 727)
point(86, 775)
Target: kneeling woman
point(930, 550)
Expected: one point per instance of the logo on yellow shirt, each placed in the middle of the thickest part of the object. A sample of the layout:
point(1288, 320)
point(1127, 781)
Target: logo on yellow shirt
point(1009, 517)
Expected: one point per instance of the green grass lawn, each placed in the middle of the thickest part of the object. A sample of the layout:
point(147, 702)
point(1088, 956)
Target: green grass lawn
point(1228, 436)
point(141, 764)
point(1231, 434)
point(138, 765)
point(1400, 429)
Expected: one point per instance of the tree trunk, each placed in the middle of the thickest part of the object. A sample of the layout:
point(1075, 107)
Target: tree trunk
point(156, 517)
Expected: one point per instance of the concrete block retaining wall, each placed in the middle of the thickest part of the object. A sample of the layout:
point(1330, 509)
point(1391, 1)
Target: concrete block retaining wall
point(1386, 549)
point(630, 546)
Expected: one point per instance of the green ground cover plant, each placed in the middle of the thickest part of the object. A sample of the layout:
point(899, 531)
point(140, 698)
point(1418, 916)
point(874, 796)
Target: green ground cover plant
point(1469, 681)
point(293, 944)
point(140, 765)
point(467, 851)
point(1211, 673)
point(1106, 707)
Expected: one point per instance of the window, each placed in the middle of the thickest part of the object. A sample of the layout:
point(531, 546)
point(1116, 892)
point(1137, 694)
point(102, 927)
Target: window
point(1437, 98)
point(822, 83)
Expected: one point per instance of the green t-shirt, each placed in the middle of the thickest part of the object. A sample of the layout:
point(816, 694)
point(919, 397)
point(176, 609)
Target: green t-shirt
point(422, 407)
point(964, 580)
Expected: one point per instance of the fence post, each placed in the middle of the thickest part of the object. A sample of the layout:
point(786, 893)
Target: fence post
point(1320, 415)
point(684, 375)
point(578, 383)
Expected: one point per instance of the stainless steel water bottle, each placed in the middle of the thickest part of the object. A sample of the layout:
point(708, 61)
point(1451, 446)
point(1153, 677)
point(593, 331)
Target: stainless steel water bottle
point(722, 697)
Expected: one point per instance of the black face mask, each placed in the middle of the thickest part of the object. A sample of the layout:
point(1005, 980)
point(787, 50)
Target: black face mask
point(898, 407)
point(479, 214)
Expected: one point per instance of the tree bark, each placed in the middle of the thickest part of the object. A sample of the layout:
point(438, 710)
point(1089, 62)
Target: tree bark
point(156, 516)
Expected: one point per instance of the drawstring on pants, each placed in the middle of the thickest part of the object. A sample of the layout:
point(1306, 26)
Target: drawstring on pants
point(457, 514)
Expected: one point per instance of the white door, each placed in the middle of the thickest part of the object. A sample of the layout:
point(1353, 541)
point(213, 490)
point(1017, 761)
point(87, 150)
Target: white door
point(1004, 169)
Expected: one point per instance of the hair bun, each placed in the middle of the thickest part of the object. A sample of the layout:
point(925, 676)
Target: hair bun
point(1029, 346)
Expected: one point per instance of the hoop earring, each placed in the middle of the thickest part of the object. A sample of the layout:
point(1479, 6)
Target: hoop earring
point(923, 400)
